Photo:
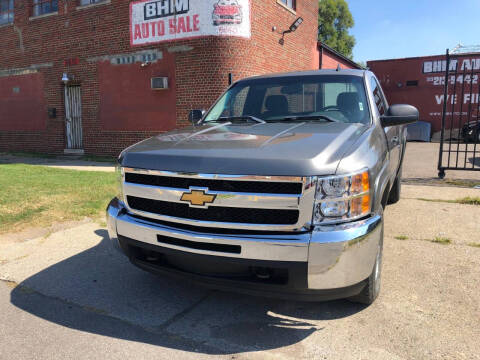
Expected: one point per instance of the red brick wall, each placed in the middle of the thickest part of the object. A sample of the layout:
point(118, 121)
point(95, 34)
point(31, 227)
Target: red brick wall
point(200, 74)
point(331, 61)
point(127, 101)
point(22, 103)
point(426, 94)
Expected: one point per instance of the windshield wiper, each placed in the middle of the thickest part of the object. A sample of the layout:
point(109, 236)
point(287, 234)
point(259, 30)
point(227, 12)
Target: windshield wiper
point(310, 117)
point(234, 119)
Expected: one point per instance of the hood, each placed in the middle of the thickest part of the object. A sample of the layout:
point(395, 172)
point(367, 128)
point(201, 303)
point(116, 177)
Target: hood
point(288, 149)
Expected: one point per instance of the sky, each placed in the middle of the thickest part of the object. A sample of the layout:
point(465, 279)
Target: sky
point(386, 29)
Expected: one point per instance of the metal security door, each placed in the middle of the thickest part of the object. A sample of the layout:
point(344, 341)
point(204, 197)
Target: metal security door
point(73, 117)
point(460, 135)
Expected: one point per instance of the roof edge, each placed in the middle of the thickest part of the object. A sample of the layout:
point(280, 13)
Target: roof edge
point(425, 57)
point(336, 53)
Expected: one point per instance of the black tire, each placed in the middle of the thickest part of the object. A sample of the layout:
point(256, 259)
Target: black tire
point(373, 284)
point(394, 195)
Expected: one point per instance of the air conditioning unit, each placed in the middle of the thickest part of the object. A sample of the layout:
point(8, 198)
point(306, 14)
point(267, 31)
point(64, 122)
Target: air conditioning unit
point(159, 83)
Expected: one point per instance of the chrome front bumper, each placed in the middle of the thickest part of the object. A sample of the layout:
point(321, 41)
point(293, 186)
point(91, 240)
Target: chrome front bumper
point(337, 256)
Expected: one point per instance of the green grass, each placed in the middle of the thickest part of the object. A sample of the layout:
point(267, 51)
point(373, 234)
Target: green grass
point(401, 237)
point(462, 183)
point(476, 245)
point(105, 159)
point(441, 240)
point(464, 201)
point(469, 201)
point(465, 183)
point(40, 196)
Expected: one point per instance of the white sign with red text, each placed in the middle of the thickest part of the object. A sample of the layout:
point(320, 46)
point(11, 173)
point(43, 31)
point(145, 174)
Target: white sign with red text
point(154, 21)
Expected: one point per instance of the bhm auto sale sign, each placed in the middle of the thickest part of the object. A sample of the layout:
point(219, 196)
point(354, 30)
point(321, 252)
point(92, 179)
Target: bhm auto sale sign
point(166, 20)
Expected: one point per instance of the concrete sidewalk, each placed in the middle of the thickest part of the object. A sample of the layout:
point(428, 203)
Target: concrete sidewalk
point(59, 163)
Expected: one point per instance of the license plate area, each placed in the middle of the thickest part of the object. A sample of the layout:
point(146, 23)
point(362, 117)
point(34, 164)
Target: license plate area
point(195, 245)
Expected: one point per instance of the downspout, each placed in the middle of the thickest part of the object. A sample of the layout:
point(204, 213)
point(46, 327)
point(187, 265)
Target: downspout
point(321, 57)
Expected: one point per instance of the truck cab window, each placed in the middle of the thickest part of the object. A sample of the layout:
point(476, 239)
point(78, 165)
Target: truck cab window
point(378, 96)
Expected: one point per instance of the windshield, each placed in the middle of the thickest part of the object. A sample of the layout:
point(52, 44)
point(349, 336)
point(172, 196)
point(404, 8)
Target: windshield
point(339, 98)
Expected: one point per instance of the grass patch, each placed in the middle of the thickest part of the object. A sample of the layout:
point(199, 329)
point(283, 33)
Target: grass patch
point(401, 237)
point(462, 183)
point(40, 196)
point(475, 245)
point(464, 201)
point(469, 201)
point(441, 240)
point(105, 159)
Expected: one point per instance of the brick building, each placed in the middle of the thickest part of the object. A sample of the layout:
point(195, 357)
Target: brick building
point(95, 76)
point(420, 81)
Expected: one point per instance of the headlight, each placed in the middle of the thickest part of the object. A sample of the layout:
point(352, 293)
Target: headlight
point(342, 198)
point(120, 176)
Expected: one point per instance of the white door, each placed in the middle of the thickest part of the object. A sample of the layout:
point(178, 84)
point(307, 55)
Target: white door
point(73, 117)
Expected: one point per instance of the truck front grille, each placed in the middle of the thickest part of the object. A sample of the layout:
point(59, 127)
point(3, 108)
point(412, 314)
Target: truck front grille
point(240, 202)
point(215, 213)
point(257, 187)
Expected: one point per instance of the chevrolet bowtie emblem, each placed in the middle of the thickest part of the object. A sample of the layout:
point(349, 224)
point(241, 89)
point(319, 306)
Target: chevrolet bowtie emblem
point(198, 197)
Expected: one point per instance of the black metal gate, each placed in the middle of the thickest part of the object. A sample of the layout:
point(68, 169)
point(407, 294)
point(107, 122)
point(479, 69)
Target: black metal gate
point(460, 135)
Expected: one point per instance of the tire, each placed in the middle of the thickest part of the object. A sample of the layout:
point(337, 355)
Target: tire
point(394, 195)
point(373, 284)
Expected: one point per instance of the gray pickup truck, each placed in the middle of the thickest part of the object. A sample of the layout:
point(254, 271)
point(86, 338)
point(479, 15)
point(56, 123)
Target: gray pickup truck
point(277, 190)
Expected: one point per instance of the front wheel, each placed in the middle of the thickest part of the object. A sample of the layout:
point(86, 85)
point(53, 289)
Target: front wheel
point(372, 288)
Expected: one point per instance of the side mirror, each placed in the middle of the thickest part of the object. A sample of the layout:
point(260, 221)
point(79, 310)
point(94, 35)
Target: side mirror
point(195, 116)
point(400, 115)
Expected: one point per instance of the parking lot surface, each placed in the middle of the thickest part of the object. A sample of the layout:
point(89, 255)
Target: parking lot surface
point(421, 161)
point(70, 295)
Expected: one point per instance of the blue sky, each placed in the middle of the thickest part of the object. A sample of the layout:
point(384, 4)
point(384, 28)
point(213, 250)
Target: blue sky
point(395, 29)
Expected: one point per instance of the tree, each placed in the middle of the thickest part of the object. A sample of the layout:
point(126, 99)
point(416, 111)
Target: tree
point(363, 64)
point(334, 22)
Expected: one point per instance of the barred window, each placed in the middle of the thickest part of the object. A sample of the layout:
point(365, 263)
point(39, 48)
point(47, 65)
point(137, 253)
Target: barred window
point(289, 3)
point(88, 2)
point(6, 12)
point(42, 7)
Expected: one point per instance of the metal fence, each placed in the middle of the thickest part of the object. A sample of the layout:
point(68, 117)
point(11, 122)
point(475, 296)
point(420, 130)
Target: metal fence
point(460, 134)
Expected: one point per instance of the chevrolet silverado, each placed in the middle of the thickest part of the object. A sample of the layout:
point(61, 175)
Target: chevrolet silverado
point(278, 189)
